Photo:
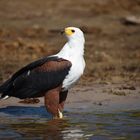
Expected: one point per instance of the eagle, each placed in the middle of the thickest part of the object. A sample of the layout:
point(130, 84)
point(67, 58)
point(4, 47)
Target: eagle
point(51, 76)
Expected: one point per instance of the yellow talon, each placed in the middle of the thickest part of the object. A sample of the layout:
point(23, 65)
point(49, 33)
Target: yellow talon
point(60, 114)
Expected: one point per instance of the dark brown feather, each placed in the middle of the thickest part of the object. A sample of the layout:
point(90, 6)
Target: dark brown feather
point(53, 65)
point(52, 101)
point(37, 78)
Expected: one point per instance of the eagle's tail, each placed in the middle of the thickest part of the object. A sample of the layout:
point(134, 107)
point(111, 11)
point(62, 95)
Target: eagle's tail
point(3, 90)
point(3, 96)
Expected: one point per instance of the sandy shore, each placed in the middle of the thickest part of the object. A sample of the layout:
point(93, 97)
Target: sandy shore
point(111, 49)
point(95, 97)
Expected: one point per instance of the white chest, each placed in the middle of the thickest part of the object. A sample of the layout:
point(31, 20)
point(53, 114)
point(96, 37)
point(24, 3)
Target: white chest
point(75, 73)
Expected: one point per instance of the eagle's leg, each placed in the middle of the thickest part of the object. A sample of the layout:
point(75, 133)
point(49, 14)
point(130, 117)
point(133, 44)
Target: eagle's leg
point(52, 102)
point(62, 99)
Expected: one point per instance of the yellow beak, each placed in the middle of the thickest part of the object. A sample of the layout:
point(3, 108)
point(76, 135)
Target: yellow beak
point(68, 31)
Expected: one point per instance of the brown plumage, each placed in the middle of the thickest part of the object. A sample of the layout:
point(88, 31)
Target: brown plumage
point(54, 98)
point(40, 78)
point(51, 76)
point(54, 101)
point(53, 65)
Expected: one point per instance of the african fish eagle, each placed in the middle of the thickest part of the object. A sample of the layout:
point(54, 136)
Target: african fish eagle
point(51, 76)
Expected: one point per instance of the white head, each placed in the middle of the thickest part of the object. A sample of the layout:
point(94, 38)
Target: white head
point(75, 45)
point(74, 34)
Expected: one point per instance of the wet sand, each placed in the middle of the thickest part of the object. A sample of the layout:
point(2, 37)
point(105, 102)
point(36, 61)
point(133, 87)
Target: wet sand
point(95, 97)
point(111, 49)
point(97, 107)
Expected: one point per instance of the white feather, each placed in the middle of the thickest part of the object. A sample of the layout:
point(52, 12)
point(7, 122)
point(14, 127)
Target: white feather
point(73, 51)
point(5, 97)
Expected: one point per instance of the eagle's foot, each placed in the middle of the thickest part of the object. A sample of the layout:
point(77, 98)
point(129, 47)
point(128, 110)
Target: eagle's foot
point(59, 116)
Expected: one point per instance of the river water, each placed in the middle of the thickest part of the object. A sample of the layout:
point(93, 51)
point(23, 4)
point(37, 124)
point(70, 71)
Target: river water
point(34, 123)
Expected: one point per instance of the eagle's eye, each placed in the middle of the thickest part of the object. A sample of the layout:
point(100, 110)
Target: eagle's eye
point(72, 31)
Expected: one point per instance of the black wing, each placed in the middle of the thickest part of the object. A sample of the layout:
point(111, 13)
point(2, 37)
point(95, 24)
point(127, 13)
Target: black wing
point(36, 78)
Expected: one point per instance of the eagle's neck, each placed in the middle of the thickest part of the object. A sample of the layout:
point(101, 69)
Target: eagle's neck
point(72, 50)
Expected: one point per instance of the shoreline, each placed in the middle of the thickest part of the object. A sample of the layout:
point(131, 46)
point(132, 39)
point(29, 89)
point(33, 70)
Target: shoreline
point(96, 97)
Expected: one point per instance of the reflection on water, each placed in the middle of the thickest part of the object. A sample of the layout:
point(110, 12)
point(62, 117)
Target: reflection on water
point(34, 123)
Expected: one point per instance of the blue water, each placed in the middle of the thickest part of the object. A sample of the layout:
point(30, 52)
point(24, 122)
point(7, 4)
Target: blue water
point(34, 123)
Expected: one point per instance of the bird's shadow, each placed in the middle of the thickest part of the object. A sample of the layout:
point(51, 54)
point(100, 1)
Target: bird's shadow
point(25, 111)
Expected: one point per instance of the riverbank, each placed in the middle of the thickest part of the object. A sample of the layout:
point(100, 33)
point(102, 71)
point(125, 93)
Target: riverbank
point(95, 97)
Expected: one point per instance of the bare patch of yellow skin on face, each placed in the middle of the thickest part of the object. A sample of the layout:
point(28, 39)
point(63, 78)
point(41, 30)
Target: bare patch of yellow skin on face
point(68, 31)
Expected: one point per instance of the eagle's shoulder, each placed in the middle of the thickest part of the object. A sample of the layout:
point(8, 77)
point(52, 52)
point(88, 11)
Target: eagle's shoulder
point(46, 63)
point(54, 65)
point(37, 77)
